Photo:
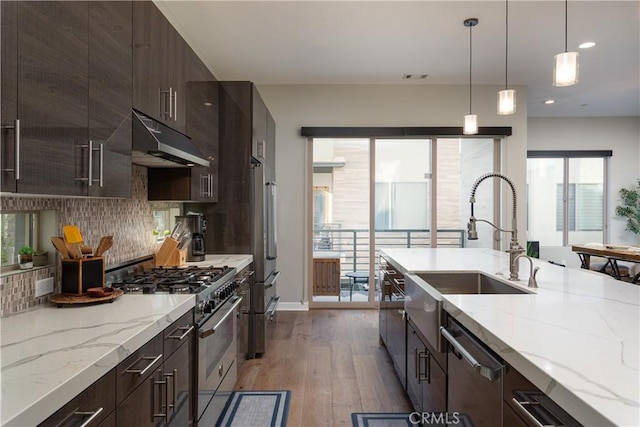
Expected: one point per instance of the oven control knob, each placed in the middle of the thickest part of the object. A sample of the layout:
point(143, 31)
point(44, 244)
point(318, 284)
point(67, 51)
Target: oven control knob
point(209, 306)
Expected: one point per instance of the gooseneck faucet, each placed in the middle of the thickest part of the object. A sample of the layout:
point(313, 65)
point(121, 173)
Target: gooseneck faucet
point(472, 234)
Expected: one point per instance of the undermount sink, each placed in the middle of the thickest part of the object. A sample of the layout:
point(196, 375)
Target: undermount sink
point(468, 283)
point(424, 292)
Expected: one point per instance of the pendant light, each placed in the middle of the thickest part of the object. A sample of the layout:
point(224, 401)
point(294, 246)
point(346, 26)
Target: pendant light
point(565, 66)
point(506, 97)
point(470, 120)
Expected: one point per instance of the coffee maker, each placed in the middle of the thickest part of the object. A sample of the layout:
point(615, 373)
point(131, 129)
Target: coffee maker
point(197, 225)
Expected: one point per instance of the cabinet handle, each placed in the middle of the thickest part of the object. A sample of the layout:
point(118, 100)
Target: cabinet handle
point(426, 356)
point(76, 412)
point(187, 329)
point(93, 416)
point(143, 371)
point(173, 377)
point(16, 157)
point(416, 362)
point(163, 404)
point(175, 106)
point(101, 165)
point(527, 414)
point(170, 103)
point(220, 370)
point(175, 395)
point(485, 371)
point(90, 163)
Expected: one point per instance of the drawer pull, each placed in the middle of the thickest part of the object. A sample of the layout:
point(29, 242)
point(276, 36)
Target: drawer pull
point(527, 414)
point(187, 330)
point(141, 372)
point(93, 416)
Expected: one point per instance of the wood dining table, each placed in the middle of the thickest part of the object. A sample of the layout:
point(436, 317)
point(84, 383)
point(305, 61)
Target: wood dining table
point(613, 254)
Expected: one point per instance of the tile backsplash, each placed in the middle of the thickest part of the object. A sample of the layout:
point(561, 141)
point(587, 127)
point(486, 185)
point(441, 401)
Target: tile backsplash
point(129, 221)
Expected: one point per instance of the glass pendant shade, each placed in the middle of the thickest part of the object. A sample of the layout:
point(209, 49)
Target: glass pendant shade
point(565, 69)
point(470, 124)
point(506, 101)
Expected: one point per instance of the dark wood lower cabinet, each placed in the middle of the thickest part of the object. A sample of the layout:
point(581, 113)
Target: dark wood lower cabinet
point(152, 387)
point(98, 399)
point(177, 371)
point(510, 418)
point(110, 421)
point(426, 380)
point(143, 407)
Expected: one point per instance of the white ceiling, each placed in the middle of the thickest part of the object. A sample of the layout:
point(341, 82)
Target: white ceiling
point(376, 42)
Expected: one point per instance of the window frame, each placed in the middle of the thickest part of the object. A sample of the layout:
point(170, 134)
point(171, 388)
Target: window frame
point(35, 238)
point(566, 156)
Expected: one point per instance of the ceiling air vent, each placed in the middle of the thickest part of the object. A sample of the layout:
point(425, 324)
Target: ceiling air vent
point(415, 76)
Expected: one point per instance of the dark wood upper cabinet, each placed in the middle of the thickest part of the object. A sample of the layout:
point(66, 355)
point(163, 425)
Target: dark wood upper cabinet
point(110, 97)
point(9, 138)
point(61, 73)
point(161, 66)
point(195, 99)
point(52, 97)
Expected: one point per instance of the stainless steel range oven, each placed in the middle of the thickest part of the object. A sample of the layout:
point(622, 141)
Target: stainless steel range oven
point(221, 296)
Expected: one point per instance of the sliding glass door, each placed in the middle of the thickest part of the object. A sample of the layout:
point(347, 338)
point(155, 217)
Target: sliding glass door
point(368, 194)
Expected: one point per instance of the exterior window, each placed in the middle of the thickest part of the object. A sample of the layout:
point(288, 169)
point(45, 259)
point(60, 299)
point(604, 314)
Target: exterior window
point(320, 206)
point(584, 207)
point(18, 229)
point(566, 197)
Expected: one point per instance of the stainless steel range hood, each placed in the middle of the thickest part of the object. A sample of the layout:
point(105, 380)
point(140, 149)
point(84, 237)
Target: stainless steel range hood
point(157, 145)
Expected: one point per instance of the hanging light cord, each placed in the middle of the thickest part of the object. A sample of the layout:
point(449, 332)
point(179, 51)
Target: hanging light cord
point(506, 44)
point(470, 60)
point(566, 23)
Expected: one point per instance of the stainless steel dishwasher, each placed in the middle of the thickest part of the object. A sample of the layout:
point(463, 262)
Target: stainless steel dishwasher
point(474, 377)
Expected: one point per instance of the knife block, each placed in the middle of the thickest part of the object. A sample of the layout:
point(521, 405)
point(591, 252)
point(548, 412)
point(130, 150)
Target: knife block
point(78, 275)
point(169, 255)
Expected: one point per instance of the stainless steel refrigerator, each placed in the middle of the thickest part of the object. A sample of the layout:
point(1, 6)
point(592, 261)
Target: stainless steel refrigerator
point(243, 220)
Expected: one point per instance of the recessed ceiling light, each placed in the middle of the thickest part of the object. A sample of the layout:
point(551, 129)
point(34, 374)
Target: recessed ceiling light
point(549, 101)
point(587, 45)
point(415, 76)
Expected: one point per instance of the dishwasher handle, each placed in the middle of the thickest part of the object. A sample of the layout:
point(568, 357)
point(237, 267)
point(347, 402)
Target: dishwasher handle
point(485, 371)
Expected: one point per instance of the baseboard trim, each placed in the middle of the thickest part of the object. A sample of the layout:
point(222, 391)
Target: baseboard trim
point(293, 306)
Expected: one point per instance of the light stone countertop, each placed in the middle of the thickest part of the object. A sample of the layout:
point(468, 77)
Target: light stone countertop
point(237, 261)
point(577, 338)
point(49, 354)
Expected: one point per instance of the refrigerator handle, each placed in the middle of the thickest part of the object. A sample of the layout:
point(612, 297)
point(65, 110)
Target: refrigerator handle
point(271, 222)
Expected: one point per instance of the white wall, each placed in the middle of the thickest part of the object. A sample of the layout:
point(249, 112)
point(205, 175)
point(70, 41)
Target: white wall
point(295, 106)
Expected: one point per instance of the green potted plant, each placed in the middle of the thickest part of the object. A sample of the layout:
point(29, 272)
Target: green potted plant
point(40, 258)
point(629, 207)
point(25, 257)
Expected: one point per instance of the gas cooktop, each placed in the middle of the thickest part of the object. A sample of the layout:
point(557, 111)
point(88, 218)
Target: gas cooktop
point(189, 280)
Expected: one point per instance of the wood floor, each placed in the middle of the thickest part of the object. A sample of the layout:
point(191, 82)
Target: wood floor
point(332, 362)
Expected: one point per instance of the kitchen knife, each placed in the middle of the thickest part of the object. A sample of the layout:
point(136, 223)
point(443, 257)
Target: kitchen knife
point(184, 240)
point(175, 233)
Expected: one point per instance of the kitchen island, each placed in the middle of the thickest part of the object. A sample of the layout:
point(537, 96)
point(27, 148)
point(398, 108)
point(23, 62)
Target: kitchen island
point(576, 338)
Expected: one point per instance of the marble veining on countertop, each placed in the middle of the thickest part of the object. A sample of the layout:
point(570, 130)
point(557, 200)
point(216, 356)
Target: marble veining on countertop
point(48, 355)
point(577, 338)
point(237, 261)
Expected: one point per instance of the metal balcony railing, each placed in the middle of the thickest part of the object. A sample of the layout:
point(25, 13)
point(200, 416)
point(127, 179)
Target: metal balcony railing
point(352, 245)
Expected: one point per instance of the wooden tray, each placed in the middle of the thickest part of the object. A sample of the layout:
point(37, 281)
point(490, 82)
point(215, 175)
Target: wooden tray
point(66, 299)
